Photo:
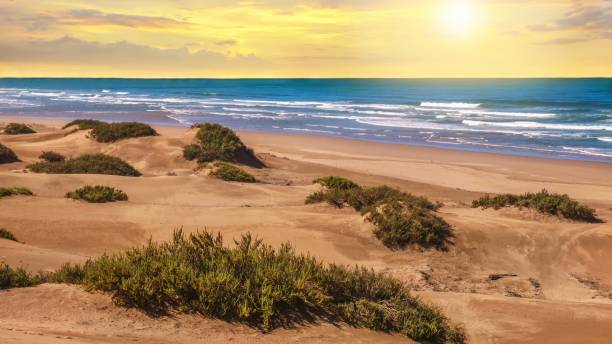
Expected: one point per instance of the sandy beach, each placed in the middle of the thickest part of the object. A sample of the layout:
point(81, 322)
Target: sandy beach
point(561, 291)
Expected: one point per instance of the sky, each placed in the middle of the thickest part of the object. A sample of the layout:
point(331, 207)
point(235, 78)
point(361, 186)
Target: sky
point(293, 38)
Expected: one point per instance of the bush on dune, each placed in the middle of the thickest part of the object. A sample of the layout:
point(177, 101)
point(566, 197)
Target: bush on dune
point(252, 283)
point(87, 164)
point(51, 156)
point(216, 142)
point(263, 287)
point(4, 234)
point(84, 124)
point(543, 202)
point(7, 155)
point(111, 132)
point(97, 194)
point(15, 191)
point(18, 129)
point(401, 219)
point(230, 173)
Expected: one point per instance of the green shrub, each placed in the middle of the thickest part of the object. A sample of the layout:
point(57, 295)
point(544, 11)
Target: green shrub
point(543, 202)
point(87, 164)
point(220, 143)
point(231, 173)
point(16, 278)
point(400, 224)
point(84, 124)
point(51, 156)
point(401, 219)
point(15, 191)
point(18, 128)
point(98, 194)
point(111, 132)
point(67, 273)
point(7, 155)
point(4, 234)
point(253, 283)
point(335, 182)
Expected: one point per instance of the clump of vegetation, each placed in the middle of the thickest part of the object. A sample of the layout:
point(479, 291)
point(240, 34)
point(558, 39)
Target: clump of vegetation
point(15, 191)
point(4, 234)
point(84, 124)
point(97, 194)
point(111, 132)
point(7, 155)
point(51, 156)
point(16, 278)
point(87, 164)
point(399, 224)
point(17, 129)
point(252, 283)
point(543, 202)
point(216, 142)
point(263, 287)
point(231, 173)
point(401, 219)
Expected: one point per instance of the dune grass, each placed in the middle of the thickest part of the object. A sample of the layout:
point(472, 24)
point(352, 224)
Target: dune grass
point(231, 173)
point(97, 194)
point(252, 283)
point(87, 164)
point(543, 202)
point(4, 234)
point(112, 132)
point(18, 129)
point(7, 155)
point(15, 191)
point(83, 124)
point(51, 156)
point(401, 219)
point(216, 142)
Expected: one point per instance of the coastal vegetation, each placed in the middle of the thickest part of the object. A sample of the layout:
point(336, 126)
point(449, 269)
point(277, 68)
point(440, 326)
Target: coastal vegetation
point(4, 234)
point(7, 155)
point(15, 191)
point(231, 173)
point(252, 283)
point(216, 142)
point(83, 124)
point(111, 132)
point(543, 202)
point(97, 194)
point(51, 156)
point(401, 219)
point(87, 164)
point(17, 129)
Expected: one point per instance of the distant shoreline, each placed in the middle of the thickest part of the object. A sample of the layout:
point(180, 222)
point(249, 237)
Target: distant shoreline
point(171, 123)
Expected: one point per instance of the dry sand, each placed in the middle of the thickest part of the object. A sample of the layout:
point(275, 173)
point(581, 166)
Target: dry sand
point(562, 291)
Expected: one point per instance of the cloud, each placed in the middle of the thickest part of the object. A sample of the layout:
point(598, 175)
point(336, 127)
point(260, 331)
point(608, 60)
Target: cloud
point(591, 22)
point(95, 17)
point(72, 51)
point(226, 42)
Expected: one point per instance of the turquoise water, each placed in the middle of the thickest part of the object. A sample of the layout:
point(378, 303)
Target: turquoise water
point(560, 118)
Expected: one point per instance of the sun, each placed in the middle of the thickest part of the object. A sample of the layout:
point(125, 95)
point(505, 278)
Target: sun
point(459, 17)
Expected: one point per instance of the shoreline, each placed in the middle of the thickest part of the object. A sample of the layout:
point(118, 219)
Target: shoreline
point(173, 123)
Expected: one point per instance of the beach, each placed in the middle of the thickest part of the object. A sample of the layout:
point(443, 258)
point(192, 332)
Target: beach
point(559, 287)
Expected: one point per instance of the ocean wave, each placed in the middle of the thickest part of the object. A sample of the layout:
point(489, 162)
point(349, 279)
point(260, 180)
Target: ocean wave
point(452, 105)
point(507, 114)
point(538, 125)
point(587, 151)
point(605, 139)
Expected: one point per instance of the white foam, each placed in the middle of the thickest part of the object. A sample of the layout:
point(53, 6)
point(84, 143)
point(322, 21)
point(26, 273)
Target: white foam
point(452, 105)
point(520, 124)
point(507, 114)
point(605, 139)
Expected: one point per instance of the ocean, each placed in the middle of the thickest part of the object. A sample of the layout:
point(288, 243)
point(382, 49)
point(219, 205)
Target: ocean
point(557, 118)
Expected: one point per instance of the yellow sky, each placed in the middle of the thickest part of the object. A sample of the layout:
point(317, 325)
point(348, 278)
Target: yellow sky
point(325, 38)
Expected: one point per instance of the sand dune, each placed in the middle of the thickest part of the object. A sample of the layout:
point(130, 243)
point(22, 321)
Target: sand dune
point(561, 292)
